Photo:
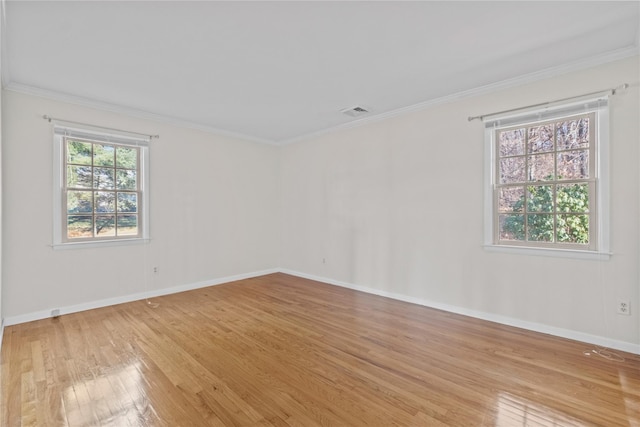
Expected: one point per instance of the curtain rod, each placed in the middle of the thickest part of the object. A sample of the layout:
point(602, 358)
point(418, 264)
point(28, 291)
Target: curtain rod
point(611, 91)
point(50, 119)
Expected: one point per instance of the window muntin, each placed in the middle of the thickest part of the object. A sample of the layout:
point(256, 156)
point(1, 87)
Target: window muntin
point(101, 194)
point(545, 183)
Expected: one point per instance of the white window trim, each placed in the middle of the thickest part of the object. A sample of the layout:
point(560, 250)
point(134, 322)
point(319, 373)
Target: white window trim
point(58, 179)
point(602, 250)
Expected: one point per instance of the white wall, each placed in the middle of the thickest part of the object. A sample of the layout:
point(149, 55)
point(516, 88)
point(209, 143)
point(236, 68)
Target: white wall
point(214, 213)
point(396, 207)
point(1, 186)
point(2, 16)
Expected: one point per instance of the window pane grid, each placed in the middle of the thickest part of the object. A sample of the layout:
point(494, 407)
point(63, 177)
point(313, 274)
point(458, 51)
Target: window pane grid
point(102, 190)
point(545, 182)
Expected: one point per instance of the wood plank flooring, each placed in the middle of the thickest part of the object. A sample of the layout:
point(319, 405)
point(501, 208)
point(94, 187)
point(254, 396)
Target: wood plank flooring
point(283, 351)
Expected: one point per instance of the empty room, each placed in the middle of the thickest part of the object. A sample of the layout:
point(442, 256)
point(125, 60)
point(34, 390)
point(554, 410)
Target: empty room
point(320, 213)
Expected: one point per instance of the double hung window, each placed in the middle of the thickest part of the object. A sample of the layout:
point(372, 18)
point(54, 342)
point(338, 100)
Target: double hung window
point(101, 186)
point(547, 179)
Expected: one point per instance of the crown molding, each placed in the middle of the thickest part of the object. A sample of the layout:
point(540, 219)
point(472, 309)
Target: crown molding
point(132, 112)
point(579, 65)
point(590, 62)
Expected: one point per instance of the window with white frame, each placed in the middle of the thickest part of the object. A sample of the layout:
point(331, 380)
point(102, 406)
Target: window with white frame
point(101, 185)
point(547, 179)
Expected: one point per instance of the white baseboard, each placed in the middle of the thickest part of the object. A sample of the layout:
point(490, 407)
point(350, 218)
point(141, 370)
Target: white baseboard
point(43, 314)
point(505, 320)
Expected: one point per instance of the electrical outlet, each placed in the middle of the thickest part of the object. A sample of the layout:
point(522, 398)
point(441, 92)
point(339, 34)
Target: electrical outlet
point(623, 307)
point(156, 270)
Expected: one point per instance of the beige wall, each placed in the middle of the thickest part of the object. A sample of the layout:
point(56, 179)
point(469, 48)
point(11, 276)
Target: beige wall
point(214, 213)
point(396, 207)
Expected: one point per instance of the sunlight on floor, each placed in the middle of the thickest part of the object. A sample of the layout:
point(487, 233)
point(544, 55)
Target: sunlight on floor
point(632, 405)
point(514, 411)
point(112, 398)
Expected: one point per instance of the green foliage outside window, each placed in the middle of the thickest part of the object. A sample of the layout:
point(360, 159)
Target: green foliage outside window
point(570, 216)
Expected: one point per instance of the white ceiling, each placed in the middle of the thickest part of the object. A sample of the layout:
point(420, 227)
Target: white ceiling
point(278, 71)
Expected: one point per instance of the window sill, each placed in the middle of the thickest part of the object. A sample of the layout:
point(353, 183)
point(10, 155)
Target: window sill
point(99, 244)
point(549, 252)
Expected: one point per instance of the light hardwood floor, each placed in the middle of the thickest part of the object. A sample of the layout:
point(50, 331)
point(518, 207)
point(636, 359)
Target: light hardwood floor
point(283, 351)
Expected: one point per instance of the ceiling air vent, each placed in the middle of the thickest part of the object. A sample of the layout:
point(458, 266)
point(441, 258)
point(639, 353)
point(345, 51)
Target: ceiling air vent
point(354, 111)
